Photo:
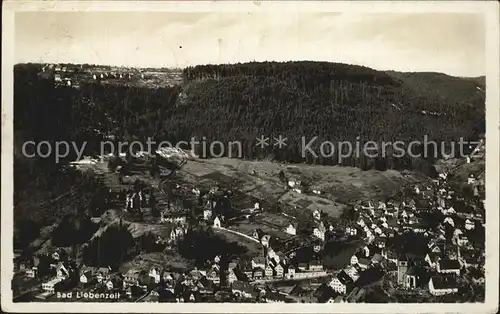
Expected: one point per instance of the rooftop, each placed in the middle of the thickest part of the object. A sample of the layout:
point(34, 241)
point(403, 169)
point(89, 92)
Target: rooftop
point(449, 264)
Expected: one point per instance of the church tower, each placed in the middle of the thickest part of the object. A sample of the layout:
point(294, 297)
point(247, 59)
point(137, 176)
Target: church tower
point(402, 268)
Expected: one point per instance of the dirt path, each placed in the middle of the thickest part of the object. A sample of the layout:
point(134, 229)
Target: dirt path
point(239, 233)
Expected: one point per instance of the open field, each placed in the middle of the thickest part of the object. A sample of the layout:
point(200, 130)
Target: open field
point(338, 183)
point(310, 202)
point(277, 221)
point(264, 188)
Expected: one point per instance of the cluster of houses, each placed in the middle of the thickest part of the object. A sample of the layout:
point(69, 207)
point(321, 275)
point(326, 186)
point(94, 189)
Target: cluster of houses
point(57, 274)
point(448, 253)
point(135, 200)
point(63, 75)
point(273, 266)
point(68, 75)
point(155, 284)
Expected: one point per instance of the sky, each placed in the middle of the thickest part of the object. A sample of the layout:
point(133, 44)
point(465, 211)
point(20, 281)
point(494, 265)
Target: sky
point(451, 43)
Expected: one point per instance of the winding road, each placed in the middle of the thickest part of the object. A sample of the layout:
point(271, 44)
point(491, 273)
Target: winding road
point(238, 233)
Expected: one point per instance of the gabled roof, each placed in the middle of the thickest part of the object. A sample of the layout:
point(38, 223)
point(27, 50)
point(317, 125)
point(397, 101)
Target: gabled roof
point(434, 256)
point(444, 282)
point(344, 278)
point(449, 264)
point(259, 259)
point(258, 269)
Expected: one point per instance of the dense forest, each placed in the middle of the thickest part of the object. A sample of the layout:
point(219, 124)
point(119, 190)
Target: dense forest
point(335, 102)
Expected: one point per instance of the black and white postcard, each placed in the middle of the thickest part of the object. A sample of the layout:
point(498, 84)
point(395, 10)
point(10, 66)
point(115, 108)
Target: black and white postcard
point(252, 156)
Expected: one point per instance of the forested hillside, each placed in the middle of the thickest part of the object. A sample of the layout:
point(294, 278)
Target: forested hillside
point(335, 102)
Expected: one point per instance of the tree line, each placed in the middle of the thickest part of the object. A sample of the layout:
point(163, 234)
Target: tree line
point(335, 102)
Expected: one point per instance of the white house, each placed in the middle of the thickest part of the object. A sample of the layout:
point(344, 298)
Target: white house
point(450, 221)
point(31, 272)
point(469, 225)
point(279, 270)
point(61, 271)
point(268, 271)
point(109, 285)
point(49, 285)
point(341, 283)
point(217, 222)
point(315, 265)
point(382, 206)
point(369, 235)
point(207, 214)
point(290, 272)
point(155, 273)
point(55, 256)
point(417, 190)
point(432, 259)
point(354, 259)
point(448, 266)
point(291, 229)
point(349, 230)
point(316, 215)
point(361, 222)
point(231, 277)
point(471, 180)
point(293, 183)
point(265, 240)
point(259, 261)
point(319, 233)
point(377, 230)
point(353, 272)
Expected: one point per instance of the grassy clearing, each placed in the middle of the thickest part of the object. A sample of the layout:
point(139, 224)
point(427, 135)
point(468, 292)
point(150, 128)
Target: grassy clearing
point(276, 220)
point(253, 248)
point(311, 203)
point(340, 184)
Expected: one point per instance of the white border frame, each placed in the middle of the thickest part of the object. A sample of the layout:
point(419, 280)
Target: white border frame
point(490, 9)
